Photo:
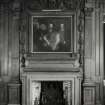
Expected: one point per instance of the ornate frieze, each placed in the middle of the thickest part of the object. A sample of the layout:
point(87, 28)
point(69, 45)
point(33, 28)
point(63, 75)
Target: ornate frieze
point(52, 4)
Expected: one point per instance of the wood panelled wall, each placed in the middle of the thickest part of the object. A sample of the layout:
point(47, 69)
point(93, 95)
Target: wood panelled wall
point(94, 59)
point(9, 55)
point(9, 43)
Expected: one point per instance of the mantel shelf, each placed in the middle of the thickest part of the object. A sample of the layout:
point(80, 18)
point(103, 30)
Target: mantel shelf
point(52, 69)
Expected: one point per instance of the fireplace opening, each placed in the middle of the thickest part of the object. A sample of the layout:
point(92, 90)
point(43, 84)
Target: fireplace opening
point(51, 93)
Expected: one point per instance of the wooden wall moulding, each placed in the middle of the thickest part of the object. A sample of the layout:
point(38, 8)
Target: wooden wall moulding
point(14, 93)
point(3, 94)
point(89, 93)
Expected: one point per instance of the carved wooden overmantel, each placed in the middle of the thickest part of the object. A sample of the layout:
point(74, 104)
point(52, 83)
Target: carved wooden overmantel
point(68, 7)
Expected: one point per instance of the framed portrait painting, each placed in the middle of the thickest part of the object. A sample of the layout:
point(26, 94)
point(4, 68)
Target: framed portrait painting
point(52, 33)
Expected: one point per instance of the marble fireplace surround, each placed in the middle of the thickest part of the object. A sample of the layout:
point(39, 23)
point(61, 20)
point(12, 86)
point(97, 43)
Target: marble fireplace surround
point(28, 76)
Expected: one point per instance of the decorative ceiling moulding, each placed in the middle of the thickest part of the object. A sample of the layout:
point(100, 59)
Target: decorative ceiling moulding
point(52, 5)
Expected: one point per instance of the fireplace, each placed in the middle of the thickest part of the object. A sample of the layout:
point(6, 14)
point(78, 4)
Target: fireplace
point(51, 88)
point(52, 60)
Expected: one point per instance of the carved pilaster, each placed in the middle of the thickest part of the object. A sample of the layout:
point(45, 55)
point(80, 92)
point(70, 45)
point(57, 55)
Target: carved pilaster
point(22, 42)
point(88, 35)
point(81, 32)
point(22, 37)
